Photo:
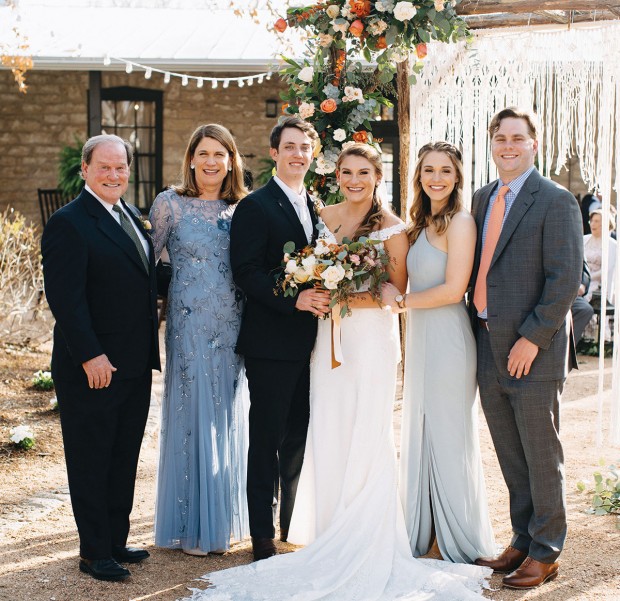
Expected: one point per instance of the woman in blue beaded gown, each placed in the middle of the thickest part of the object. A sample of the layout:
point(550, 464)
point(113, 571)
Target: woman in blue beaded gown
point(441, 480)
point(201, 477)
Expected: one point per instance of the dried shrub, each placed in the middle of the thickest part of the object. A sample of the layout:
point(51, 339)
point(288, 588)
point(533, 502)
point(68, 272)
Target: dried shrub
point(22, 303)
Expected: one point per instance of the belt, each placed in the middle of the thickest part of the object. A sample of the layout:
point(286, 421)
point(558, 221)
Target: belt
point(483, 323)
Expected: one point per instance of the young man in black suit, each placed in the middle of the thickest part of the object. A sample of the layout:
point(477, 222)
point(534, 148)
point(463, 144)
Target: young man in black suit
point(277, 333)
point(99, 273)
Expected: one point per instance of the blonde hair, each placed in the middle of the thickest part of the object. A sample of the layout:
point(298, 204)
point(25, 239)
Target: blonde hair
point(373, 219)
point(420, 212)
point(233, 188)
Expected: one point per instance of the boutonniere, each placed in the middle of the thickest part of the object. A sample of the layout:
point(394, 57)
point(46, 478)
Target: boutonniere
point(146, 224)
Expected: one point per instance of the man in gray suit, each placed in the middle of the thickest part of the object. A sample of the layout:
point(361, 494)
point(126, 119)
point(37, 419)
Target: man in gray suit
point(527, 271)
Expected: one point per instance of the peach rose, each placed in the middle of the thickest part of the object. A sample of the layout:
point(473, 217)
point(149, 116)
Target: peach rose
point(361, 136)
point(360, 7)
point(328, 105)
point(421, 50)
point(280, 25)
point(381, 43)
point(356, 28)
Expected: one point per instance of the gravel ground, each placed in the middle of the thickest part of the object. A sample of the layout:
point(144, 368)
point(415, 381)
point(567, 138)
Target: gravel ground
point(38, 540)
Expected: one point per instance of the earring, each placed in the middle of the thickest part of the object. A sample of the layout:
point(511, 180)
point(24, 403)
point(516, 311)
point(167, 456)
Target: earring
point(191, 166)
point(230, 169)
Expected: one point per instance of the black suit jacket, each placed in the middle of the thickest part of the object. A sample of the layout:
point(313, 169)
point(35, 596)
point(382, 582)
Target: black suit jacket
point(534, 275)
point(271, 327)
point(101, 296)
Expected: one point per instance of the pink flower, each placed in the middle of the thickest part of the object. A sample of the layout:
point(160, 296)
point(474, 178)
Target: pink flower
point(355, 259)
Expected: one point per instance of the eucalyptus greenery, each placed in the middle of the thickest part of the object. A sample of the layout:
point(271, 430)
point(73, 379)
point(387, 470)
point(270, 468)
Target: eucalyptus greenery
point(606, 491)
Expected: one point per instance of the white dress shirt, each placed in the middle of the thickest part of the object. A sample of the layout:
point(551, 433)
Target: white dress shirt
point(117, 218)
point(300, 204)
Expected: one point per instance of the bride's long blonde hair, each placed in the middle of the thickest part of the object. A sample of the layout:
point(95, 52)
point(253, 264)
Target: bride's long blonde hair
point(420, 213)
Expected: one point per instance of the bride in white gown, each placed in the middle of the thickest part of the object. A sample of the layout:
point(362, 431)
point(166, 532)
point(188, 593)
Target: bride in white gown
point(347, 509)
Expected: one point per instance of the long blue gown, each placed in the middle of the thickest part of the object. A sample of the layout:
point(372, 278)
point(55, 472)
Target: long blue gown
point(201, 478)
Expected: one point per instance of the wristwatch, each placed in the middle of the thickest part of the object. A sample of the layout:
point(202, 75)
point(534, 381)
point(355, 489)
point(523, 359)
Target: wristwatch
point(400, 300)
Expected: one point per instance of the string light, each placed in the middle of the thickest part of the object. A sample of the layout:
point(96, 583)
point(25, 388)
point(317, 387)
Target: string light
point(168, 75)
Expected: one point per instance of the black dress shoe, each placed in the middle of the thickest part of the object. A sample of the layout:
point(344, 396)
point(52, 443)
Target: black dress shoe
point(129, 554)
point(263, 548)
point(104, 569)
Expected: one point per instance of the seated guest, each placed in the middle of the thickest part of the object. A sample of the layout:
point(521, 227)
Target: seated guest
point(581, 309)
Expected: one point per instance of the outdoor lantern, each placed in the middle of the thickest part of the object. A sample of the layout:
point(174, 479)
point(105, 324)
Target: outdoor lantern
point(271, 108)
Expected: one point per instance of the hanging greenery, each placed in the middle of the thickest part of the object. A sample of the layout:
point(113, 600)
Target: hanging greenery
point(339, 94)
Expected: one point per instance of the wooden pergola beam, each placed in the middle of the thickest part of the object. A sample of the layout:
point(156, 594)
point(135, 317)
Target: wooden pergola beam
point(488, 21)
point(485, 7)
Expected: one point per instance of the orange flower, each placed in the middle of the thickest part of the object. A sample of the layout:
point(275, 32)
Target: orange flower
point(381, 43)
point(361, 136)
point(328, 105)
point(356, 28)
point(280, 25)
point(421, 50)
point(360, 7)
point(284, 107)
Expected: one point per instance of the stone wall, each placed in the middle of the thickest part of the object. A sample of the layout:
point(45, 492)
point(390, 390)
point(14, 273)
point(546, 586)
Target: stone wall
point(34, 126)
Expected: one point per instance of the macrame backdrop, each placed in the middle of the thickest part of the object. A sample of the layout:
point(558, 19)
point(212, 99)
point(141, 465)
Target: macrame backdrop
point(571, 79)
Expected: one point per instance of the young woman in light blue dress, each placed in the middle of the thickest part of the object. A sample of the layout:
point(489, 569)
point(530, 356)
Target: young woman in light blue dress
point(441, 480)
point(201, 478)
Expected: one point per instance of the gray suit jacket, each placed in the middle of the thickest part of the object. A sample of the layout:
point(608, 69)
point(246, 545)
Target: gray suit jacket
point(534, 275)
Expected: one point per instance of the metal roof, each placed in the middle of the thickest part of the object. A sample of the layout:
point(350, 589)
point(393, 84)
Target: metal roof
point(63, 35)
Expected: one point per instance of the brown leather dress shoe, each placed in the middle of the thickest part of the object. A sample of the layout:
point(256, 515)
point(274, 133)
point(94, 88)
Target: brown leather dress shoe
point(509, 560)
point(531, 574)
point(263, 548)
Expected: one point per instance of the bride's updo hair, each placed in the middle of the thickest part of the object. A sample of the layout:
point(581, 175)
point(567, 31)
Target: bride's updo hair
point(420, 213)
point(372, 220)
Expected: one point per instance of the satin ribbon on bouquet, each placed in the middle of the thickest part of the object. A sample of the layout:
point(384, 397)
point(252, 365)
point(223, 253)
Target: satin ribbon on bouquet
point(336, 345)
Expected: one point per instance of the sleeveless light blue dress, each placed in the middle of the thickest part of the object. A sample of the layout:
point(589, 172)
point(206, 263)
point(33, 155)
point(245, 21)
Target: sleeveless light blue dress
point(441, 477)
point(203, 445)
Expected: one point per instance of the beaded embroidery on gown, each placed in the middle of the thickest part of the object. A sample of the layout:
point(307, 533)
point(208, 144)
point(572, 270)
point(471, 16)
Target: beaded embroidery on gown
point(347, 509)
point(441, 476)
point(203, 443)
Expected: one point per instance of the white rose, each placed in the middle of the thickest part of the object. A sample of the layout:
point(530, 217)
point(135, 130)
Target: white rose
point(309, 262)
point(306, 109)
point(332, 275)
point(323, 166)
point(404, 11)
point(439, 5)
point(340, 135)
point(306, 74)
point(321, 247)
point(346, 12)
point(349, 274)
point(291, 266)
point(380, 6)
point(332, 11)
point(325, 40)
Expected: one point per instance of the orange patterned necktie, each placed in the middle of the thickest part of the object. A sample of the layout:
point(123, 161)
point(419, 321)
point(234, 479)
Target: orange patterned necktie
point(494, 229)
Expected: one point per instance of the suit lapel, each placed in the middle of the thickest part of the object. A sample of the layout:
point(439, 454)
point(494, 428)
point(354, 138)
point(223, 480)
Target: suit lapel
point(519, 208)
point(110, 228)
point(285, 204)
point(144, 232)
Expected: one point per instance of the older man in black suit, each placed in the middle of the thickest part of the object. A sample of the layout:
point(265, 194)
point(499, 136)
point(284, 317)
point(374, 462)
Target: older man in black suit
point(527, 270)
point(277, 333)
point(99, 271)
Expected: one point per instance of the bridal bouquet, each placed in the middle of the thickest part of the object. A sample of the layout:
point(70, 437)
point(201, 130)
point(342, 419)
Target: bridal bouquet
point(340, 268)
